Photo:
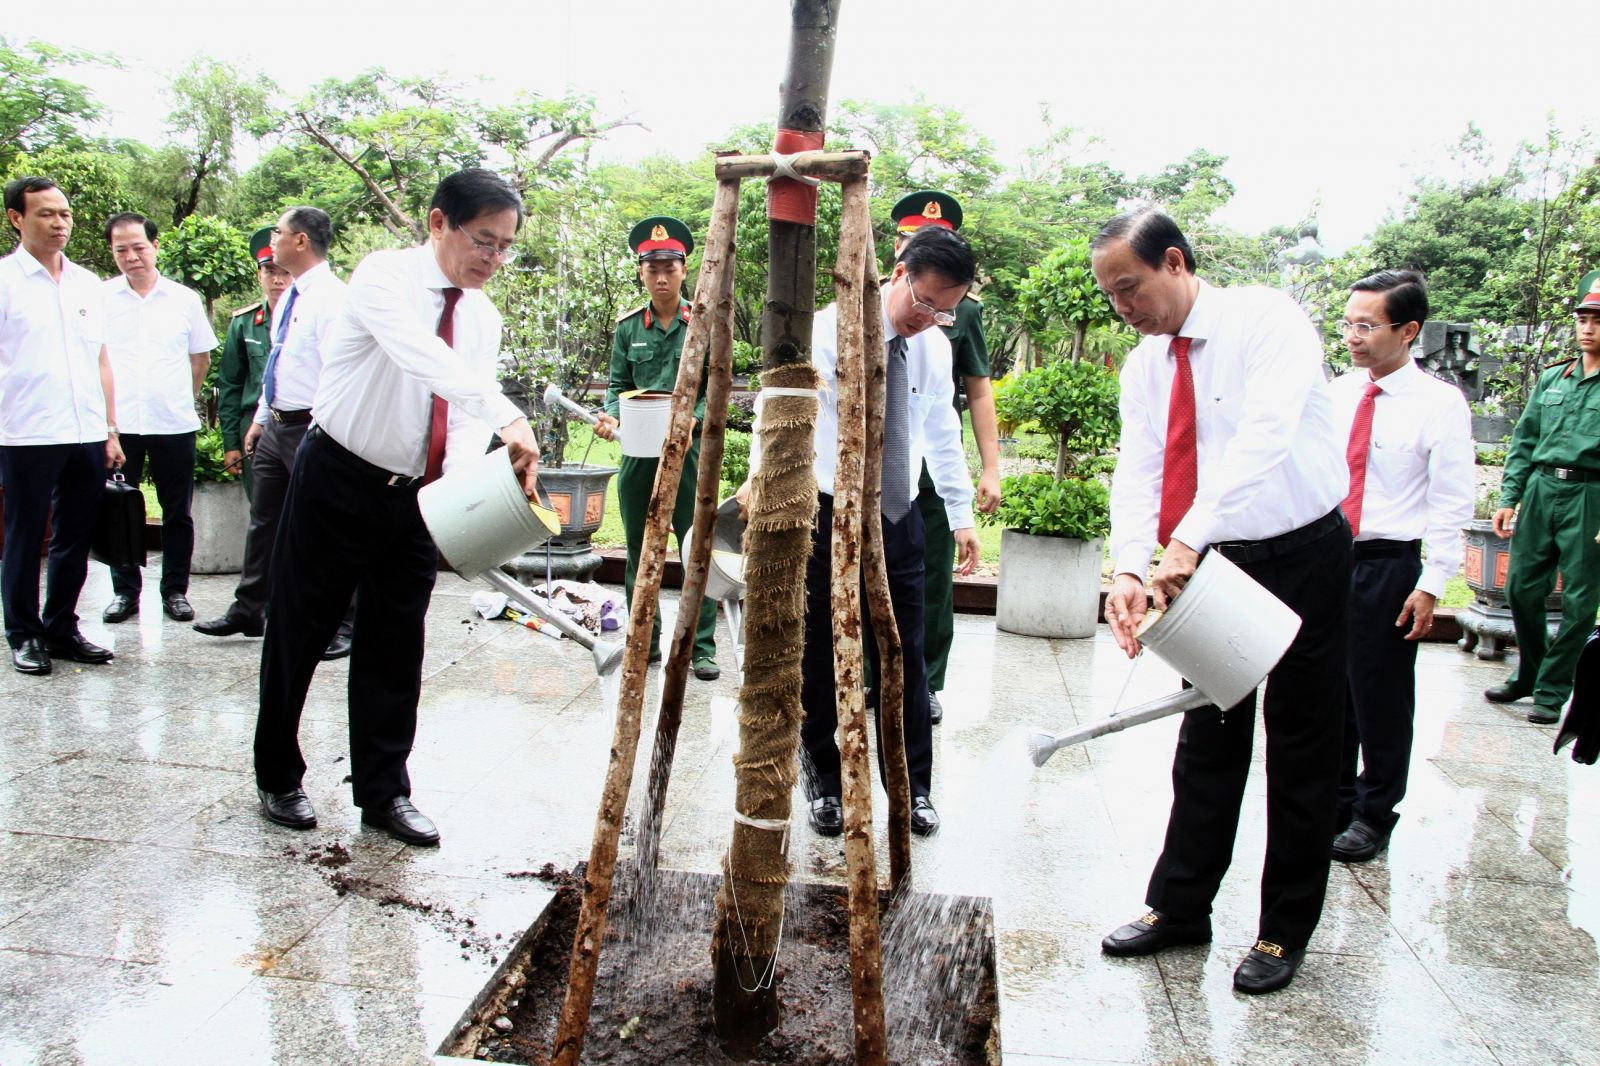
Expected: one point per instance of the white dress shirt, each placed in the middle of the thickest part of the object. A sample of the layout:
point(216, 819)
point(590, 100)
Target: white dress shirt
point(50, 338)
point(1270, 460)
point(319, 300)
point(932, 424)
point(1420, 475)
point(149, 340)
point(384, 363)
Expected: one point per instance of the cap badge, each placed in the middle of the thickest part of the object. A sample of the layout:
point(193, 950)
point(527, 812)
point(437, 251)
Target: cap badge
point(659, 233)
point(932, 210)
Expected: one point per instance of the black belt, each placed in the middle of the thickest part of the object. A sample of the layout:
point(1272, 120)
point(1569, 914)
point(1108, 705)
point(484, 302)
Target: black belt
point(351, 461)
point(289, 418)
point(1567, 473)
point(1387, 549)
point(1253, 551)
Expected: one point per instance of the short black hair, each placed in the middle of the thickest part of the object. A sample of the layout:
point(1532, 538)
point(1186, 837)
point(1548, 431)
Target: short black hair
point(1149, 233)
point(936, 250)
point(1405, 294)
point(315, 224)
point(130, 218)
point(17, 191)
point(469, 193)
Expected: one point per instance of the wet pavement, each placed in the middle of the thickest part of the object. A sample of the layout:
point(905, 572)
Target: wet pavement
point(148, 913)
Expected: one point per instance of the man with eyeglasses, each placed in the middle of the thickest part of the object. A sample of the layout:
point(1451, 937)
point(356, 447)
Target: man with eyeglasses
point(408, 386)
point(932, 275)
point(301, 325)
point(1228, 444)
point(1550, 508)
point(1410, 455)
point(644, 357)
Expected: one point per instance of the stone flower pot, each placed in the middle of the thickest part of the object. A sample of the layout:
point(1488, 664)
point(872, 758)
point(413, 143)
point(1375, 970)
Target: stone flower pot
point(577, 494)
point(1048, 586)
point(1486, 625)
point(221, 517)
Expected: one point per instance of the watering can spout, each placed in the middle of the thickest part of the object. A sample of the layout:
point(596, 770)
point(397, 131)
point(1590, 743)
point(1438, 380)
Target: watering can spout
point(554, 399)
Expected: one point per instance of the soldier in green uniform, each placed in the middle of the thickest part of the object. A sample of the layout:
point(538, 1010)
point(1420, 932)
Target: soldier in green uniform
point(970, 357)
point(1553, 471)
point(244, 355)
point(644, 356)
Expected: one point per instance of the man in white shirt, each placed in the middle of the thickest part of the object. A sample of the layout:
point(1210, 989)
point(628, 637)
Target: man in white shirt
point(57, 426)
point(1411, 458)
point(302, 326)
point(159, 341)
point(933, 273)
point(1228, 444)
point(408, 379)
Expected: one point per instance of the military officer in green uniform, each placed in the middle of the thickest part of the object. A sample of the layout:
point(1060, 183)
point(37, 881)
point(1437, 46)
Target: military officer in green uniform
point(970, 356)
point(1553, 472)
point(644, 356)
point(244, 355)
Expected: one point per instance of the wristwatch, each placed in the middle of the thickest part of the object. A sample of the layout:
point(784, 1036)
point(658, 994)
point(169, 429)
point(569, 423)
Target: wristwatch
point(111, 429)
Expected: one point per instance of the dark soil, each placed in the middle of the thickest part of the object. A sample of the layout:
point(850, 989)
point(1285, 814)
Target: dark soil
point(653, 991)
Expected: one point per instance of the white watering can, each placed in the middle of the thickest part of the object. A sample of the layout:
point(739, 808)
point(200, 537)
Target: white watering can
point(725, 570)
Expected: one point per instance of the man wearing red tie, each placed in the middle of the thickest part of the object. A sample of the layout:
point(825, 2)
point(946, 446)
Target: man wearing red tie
point(1228, 444)
point(1410, 455)
point(408, 384)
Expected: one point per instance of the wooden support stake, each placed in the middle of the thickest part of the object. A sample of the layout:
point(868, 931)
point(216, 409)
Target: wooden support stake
point(828, 166)
point(647, 586)
point(866, 945)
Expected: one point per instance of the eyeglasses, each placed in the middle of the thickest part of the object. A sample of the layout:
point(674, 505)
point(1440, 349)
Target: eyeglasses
point(1365, 329)
point(940, 318)
point(484, 249)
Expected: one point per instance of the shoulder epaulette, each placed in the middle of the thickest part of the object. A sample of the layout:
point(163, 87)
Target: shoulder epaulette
point(1559, 363)
point(247, 310)
point(629, 314)
point(974, 297)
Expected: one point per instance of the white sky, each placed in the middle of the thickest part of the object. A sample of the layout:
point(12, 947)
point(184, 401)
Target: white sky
point(1344, 101)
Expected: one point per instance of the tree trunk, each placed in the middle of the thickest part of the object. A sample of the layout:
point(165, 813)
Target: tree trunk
point(625, 743)
point(1080, 332)
point(1063, 456)
point(783, 506)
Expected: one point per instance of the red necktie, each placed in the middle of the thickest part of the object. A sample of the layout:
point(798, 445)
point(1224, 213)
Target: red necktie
point(1180, 463)
point(1355, 454)
point(440, 424)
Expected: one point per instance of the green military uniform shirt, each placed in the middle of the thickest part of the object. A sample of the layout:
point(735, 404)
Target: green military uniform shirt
point(969, 352)
point(1560, 427)
point(645, 354)
point(244, 358)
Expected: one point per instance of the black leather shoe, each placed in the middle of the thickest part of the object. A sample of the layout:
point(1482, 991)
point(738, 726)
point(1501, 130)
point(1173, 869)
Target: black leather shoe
point(1155, 932)
point(78, 650)
point(935, 712)
point(401, 820)
point(177, 607)
point(292, 808)
point(1506, 693)
point(29, 657)
point(826, 816)
point(230, 624)
point(120, 609)
point(1542, 715)
point(924, 819)
point(1359, 843)
point(1267, 968)
point(337, 648)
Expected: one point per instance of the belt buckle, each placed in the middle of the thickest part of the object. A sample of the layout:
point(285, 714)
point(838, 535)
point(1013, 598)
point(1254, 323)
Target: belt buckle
point(1563, 473)
point(276, 417)
point(399, 480)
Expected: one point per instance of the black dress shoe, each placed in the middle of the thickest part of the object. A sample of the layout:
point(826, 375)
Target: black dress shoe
point(1155, 932)
point(1542, 715)
point(78, 650)
point(924, 819)
point(120, 609)
point(826, 816)
point(177, 607)
point(935, 712)
point(29, 657)
point(231, 623)
point(337, 648)
point(1359, 843)
point(402, 821)
point(1506, 693)
point(1267, 968)
point(292, 808)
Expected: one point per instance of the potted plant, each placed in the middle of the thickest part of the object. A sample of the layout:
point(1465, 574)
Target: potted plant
point(1052, 548)
point(220, 511)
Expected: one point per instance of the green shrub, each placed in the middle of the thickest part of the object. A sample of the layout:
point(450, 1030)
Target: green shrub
point(208, 452)
point(1079, 508)
point(1075, 404)
point(735, 457)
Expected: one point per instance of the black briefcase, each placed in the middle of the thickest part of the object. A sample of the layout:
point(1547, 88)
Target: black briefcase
point(119, 528)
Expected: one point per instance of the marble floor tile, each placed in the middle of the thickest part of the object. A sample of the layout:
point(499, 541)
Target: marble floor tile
point(109, 798)
point(35, 866)
point(1527, 1018)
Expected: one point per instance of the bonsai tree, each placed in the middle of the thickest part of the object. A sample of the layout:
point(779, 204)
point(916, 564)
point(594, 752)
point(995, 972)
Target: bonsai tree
point(1060, 302)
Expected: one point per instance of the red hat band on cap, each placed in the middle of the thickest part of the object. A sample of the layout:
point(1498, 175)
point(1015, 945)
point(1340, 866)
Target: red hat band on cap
point(667, 245)
point(916, 222)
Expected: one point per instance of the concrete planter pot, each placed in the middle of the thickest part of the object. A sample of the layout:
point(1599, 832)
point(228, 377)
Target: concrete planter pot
point(1048, 586)
point(1487, 626)
point(221, 517)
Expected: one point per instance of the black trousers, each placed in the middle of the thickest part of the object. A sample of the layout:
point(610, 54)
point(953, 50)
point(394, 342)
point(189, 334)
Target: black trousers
point(171, 458)
point(1382, 674)
point(345, 531)
point(41, 481)
point(273, 461)
point(903, 551)
point(1304, 711)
